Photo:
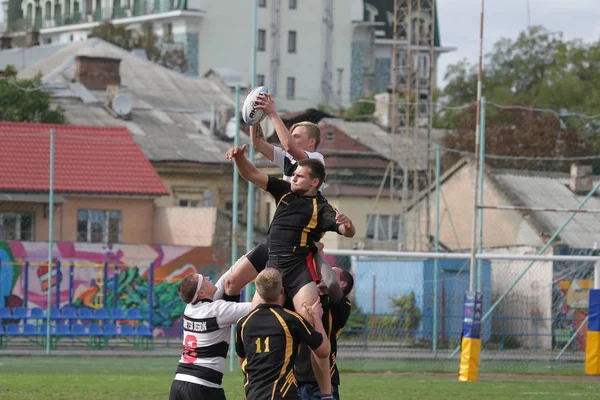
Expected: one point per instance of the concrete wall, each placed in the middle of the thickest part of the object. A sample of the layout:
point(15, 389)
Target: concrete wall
point(184, 226)
point(501, 228)
point(526, 312)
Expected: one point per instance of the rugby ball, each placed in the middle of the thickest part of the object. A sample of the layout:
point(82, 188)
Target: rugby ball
point(251, 115)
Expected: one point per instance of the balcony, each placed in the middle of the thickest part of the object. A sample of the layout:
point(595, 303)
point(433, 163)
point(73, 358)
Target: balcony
point(137, 8)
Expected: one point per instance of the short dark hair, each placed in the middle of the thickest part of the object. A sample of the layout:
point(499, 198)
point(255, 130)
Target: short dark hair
point(347, 277)
point(187, 287)
point(317, 169)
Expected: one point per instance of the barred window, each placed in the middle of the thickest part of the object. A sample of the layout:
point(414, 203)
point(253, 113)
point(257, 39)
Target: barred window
point(99, 226)
point(17, 226)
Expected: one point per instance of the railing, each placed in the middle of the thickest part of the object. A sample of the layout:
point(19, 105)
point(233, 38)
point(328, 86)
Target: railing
point(138, 8)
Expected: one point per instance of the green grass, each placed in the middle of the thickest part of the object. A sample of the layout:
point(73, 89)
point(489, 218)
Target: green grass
point(91, 378)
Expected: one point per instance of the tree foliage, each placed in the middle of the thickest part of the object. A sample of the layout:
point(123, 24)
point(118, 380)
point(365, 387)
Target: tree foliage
point(538, 69)
point(164, 52)
point(361, 110)
point(519, 132)
point(17, 104)
point(405, 307)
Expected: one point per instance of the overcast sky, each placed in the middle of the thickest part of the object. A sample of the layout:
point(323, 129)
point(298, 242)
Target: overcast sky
point(459, 23)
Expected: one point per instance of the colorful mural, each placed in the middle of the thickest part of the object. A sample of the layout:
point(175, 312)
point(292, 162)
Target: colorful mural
point(130, 264)
point(571, 303)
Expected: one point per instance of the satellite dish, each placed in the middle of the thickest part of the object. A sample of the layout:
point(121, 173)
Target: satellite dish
point(230, 128)
point(267, 127)
point(122, 104)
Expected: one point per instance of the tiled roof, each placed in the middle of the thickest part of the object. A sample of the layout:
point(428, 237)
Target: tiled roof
point(99, 160)
point(172, 113)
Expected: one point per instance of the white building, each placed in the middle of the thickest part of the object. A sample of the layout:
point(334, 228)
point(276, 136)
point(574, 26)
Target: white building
point(309, 51)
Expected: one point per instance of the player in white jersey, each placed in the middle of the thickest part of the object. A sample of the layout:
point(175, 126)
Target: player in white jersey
point(298, 143)
point(206, 332)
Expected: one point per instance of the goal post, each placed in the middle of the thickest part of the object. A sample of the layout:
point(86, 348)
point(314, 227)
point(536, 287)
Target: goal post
point(396, 320)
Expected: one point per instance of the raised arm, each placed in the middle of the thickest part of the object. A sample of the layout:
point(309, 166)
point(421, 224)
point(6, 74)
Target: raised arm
point(247, 170)
point(266, 103)
point(259, 142)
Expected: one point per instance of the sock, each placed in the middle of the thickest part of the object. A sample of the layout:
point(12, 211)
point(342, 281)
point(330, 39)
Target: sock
point(233, 297)
point(326, 397)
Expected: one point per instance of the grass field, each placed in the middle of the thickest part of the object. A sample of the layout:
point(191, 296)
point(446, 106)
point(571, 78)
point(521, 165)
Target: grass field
point(92, 378)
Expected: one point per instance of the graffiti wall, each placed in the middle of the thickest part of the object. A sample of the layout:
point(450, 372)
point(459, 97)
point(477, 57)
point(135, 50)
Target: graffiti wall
point(82, 281)
point(571, 303)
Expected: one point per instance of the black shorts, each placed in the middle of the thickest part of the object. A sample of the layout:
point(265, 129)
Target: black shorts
point(181, 390)
point(297, 271)
point(259, 256)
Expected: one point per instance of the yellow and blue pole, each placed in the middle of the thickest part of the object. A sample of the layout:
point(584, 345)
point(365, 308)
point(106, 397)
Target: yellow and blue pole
point(470, 346)
point(592, 349)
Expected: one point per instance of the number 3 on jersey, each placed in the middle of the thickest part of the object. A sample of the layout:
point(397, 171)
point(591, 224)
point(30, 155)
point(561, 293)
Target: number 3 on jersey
point(260, 349)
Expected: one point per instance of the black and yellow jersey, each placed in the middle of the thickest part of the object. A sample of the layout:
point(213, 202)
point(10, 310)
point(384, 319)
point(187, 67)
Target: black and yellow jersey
point(335, 317)
point(268, 339)
point(299, 221)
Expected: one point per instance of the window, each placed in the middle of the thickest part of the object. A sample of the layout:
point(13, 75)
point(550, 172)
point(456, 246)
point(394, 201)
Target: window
point(262, 40)
point(292, 4)
point(260, 80)
point(168, 31)
point(291, 41)
point(17, 226)
point(190, 203)
point(330, 136)
point(291, 87)
point(262, 3)
point(242, 208)
point(383, 228)
point(99, 226)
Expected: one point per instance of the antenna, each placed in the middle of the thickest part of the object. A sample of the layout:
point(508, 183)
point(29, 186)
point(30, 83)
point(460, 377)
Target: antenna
point(122, 104)
point(267, 127)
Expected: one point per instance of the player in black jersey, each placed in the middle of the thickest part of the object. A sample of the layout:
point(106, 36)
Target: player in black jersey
point(335, 317)
point(267, 341)
point(302, 217)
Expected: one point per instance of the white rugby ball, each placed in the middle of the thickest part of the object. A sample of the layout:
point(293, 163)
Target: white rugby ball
point(251, 115)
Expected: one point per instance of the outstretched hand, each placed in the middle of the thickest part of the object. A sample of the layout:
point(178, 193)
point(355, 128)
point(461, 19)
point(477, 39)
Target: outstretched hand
point(265, 102)
point(235, 151)
point(341, 219)
point(316, 310)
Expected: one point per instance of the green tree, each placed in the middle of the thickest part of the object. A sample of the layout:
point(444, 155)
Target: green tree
point(22, 101)
point(520, 132)
point(406, 309)
point(538, 69)
point(162, 52)
point(361, 110)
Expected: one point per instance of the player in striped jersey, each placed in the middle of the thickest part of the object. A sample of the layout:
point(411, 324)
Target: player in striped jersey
point(206, 332)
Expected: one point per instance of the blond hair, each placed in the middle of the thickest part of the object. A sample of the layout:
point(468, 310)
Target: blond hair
point(268, 285)
point(313, 131)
